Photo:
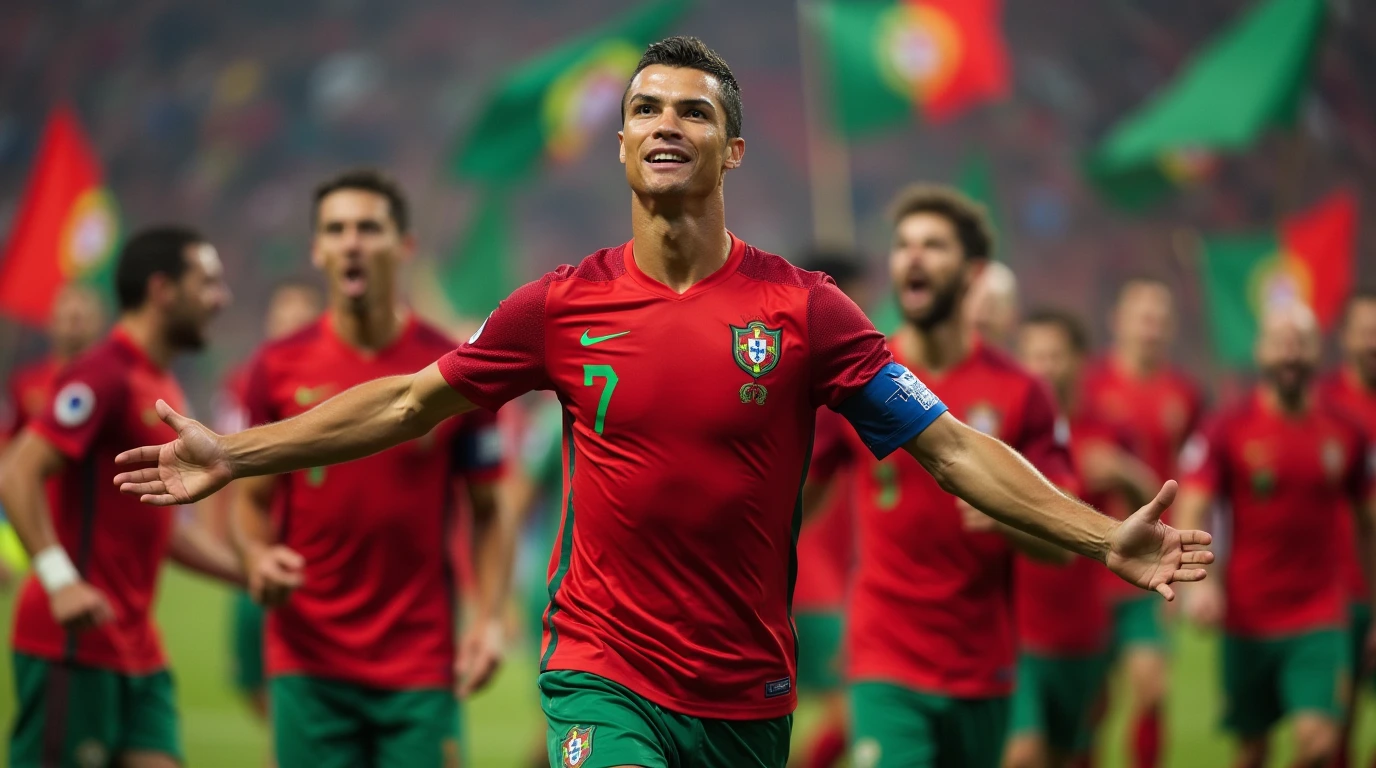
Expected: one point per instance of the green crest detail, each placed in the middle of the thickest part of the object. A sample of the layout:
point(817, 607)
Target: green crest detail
point(753, 391)
point(577, 746)
point(756, 348)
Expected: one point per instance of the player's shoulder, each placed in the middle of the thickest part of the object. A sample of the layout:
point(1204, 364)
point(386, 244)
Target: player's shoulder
point(758, 264)
point(1005, 366)
point(600, 266)
point(107, 358)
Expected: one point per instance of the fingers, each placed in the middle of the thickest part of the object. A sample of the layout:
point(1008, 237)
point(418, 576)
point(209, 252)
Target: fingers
point(478, 673)
point(141, 455)
point(289, 558)
point(1166, 591)
point(154, 487)
point(1164, 498)
point(145, 475)
point(170, 417)
point(103, 612)
point(1197, 538)
point(1189, 574)
point(160, 499)
point(1197, 557)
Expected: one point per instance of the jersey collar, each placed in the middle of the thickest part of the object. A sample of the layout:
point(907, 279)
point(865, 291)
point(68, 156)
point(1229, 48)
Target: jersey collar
point(408, 326)
point(733, 262)
point(122, 340)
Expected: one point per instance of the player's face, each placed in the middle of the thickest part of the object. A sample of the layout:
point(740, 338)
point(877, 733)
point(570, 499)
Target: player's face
point(201, 294)
point(358, 247)
point(993, 311)
point(929, 270)
point(1045, 351)
point(290, 310)
point(673, 140)
point(1288, 351)
point(1145, 320)
point(77, 320)
point(1359, 340)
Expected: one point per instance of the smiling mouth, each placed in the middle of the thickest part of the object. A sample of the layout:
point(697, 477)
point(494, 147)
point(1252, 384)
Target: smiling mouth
point(667, 158)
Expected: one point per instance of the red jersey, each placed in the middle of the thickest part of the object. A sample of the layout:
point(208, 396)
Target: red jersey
point(377, 604)
point(30, 392)
point(229, 410)
point(688, 419)
point(1061, 611)
point(1287, 480)
point(1344, 392)
point(103, 406)
point(826, 543)
point(1156, 412)
point(931, 607)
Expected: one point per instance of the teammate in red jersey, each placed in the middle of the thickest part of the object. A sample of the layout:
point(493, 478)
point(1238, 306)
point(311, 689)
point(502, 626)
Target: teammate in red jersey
point(691, 366)
point(1288, 467)
point(1062, 615)
point(1135, 389)
point(292, 306)
point(360, 646)
point(90, 675)
point(1352, 389)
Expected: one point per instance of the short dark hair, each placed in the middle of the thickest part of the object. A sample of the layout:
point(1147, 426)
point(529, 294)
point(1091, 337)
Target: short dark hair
point(970, 218)
point(691, 53)
point(841, 266)
point(367, 180)
point(1358, 296)
point(1068, 322)
point(151, 251)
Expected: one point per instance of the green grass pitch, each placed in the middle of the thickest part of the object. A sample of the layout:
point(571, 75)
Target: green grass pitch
point(500, 722)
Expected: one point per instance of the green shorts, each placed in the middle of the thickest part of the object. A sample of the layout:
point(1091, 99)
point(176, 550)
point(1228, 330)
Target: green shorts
point(333, 724)
point(246, 642)
point(819, 651)
point(897, 727)
point(1055, 699)
point(1358, 624)
point(596, 723)
point(1265, 679)
point(1137, 624)
point(80, 716)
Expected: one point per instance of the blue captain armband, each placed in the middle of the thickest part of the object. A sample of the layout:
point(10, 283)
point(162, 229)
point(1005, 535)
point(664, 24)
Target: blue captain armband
point(892, 409)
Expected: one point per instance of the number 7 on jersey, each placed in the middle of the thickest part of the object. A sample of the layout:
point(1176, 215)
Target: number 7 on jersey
point(590, 374)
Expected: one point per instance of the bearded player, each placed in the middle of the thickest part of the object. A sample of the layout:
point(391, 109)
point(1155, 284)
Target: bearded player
point(353, 559)
point(1286, 466)
point(1352, 389)
point(691, 366)
point(1134, 389)
point(1062, 615)
point(90, 675)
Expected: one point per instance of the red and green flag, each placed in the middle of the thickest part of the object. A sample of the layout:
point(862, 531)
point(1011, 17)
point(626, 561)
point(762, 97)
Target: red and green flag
point(1251, 77)
point(67, 228)
point(891, 61)
point(1307, 259)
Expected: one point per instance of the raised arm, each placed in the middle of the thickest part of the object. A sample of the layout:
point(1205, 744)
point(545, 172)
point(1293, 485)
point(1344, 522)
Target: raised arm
point(356, 423)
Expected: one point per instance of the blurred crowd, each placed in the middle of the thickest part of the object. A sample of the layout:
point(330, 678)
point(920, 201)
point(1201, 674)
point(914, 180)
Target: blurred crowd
point(223, 114)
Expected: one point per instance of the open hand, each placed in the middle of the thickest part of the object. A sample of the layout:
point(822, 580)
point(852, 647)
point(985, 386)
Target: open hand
point(1147, 552)
point(188, 469)
point(80, 606)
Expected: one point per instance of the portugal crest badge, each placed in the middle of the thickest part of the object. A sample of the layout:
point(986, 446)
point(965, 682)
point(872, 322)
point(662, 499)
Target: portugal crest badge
point(577, 747)
point(756, 349)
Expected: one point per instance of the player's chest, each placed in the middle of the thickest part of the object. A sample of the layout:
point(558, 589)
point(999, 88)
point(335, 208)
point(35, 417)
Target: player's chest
point(1308, 460)
point(1151, 414)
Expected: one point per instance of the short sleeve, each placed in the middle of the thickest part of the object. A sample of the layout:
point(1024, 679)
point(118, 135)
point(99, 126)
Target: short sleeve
point(846, 351)
point(1044, 438)
point(87, 396)
point(478, 447)
point(257, 404)
point(1202, 458)
point(505, 358)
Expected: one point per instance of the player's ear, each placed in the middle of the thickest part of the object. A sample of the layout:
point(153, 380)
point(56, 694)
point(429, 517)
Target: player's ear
point(735, 152)
point(621, 142)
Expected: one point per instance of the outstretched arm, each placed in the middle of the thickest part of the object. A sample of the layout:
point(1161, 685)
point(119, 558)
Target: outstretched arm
point(356, 423)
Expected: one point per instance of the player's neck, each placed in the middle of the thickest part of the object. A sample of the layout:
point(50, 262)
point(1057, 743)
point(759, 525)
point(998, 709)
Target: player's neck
point(370, 328)
point(1289, 406)
point(936, 349)
point(144, 329)
point(679, 242)
point(1134, 363)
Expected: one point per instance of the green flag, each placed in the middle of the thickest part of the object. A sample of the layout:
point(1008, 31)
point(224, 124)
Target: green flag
point(975, 179)
point(550, 107)
point(478, 274)
point(1251, 77)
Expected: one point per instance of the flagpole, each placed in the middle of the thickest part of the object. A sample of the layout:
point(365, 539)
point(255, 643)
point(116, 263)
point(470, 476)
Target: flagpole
point(828, 158)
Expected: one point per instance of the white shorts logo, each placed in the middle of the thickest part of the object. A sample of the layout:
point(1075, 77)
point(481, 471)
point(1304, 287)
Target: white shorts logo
point(74, 404)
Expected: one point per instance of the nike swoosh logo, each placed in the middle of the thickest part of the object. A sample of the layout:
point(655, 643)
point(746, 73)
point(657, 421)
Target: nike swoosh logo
point(588, 341)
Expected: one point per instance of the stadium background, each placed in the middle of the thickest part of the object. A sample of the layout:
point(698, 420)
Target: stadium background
point(224, 114)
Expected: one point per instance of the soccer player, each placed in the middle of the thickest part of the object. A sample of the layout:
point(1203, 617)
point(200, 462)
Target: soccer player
point(992, 307)
point(1062, 615)
point(825, 557)
point(1287, 467)
point(1352, 389)
point(292, 306)
point(1134, 389)
point(90, 675)
point(690, 366)
point(353, 559)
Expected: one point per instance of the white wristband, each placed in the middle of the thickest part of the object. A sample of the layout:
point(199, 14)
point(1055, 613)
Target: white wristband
point(54, 569)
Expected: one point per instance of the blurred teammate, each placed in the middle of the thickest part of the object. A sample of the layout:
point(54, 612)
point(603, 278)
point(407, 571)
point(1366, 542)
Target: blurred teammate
point(1352, 389)
point(1134, 389)
point(690, 366)
point(90, 675)
point(1062, 615)
point(1287, 467)
point(360, 646)
point(292, 306)
point(992, 307)
point(826, 553)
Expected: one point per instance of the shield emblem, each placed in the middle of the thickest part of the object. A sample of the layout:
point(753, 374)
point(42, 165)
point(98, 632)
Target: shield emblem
point(577, 747)
point(756, 348)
